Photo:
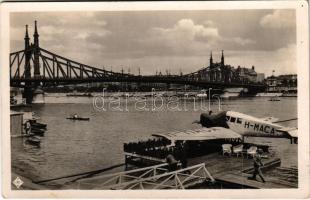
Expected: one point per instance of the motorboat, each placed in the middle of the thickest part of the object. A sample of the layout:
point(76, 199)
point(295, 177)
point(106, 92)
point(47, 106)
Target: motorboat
point(275, 98)
point(78, 118)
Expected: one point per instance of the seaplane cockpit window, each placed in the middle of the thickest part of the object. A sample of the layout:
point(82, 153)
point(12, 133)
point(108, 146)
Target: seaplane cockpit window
point(232, 119)
point(227, 118)
point(239, 121)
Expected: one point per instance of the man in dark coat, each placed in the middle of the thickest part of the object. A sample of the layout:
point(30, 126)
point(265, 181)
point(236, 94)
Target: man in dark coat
point(257, 166)
point(172, 162)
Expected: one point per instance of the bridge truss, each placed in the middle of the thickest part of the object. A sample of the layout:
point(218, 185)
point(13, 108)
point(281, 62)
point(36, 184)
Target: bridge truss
point(35, 65)
point(55, 68)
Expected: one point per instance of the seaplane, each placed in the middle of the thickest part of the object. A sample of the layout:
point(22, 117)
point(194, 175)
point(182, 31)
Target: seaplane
point(231, 124)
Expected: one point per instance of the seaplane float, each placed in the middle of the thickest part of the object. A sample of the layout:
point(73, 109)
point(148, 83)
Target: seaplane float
point(231, 124)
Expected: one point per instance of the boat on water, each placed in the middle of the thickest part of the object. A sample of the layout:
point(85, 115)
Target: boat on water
point(37, 131)
point(80, 95)
point(275, 98)
point(232, 92)
point(289, 94)
point(34, 141)
point(202, 94)
point(75, 94)
point(79, 118)
point(269, 94)
point(38, 125)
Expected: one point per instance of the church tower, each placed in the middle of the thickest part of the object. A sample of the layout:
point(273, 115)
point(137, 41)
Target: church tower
point(211, 60)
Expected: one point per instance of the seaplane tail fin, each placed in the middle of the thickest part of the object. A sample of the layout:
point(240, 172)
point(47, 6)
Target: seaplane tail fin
point(291, 131)
point(270, 119)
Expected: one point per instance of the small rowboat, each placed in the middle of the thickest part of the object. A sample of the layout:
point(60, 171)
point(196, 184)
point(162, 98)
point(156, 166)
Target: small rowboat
point(79, 118)
point(38, 125)
point(34, 141)
point(274, 99)
point(37, 131)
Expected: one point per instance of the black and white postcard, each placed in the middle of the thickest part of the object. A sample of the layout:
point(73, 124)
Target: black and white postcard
point(126, 99)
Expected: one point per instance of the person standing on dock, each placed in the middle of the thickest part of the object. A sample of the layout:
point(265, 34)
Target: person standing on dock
point(257, 166)
point(27, 128)
point(183, 158)
point(172, 163)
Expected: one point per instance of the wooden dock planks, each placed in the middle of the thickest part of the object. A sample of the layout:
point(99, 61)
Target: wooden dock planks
point(229, 169)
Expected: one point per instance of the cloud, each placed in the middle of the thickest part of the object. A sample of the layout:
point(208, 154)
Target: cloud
point(243, 41)
point(286, 58)
point(279, 19)
point(209, 23)
point(183, 38)
point(82, 36)
point(50, 30)
point(282, 60)
point(186, 29)
point(162, 40)
point(17, 33)
point(186, 37)
point(100, 22)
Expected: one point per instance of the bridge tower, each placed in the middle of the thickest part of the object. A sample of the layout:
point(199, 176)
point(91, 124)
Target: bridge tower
point(28, 89)
point(36, 62)
point(27, 54)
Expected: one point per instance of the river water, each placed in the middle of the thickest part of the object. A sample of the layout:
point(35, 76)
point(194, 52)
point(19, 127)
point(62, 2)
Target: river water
point(70, 147)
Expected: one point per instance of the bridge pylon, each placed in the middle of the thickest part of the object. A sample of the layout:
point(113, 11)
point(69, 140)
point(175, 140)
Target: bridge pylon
point(29, 50)
point(36, 52)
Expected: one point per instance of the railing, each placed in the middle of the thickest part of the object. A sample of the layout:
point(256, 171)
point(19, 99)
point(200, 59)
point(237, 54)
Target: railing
point(154, 177)
point(109, 180)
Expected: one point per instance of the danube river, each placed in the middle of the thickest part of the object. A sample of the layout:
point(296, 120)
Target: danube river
point(70, 147)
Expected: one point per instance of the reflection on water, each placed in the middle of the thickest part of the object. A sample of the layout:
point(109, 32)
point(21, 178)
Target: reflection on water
point(70, 147)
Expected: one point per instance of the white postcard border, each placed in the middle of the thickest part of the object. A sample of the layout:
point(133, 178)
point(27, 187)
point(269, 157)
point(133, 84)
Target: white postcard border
point(303, 98)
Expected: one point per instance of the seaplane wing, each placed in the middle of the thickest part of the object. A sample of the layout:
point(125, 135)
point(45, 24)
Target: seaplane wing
point(270, 119)
point(292, 131)
point(200, 134)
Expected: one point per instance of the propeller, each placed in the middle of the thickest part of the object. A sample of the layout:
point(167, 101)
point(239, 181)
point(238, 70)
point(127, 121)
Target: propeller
point(213, 120)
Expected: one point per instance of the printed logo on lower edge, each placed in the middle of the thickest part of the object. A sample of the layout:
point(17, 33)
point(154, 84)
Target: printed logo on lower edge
point(18, 182)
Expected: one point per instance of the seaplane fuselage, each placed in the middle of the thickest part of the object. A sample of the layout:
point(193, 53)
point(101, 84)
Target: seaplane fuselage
point(247, 125)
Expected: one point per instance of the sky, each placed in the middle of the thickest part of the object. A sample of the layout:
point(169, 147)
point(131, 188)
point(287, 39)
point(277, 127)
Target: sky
point(166, 40)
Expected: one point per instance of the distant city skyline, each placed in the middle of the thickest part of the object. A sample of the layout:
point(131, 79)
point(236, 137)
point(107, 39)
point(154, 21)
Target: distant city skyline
point(160, 40)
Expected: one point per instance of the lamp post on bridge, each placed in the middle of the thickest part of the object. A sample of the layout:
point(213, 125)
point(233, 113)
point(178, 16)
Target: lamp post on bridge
point(209, 95)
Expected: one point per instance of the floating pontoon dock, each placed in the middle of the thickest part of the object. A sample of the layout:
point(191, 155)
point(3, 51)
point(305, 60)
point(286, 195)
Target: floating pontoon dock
point(233, 172)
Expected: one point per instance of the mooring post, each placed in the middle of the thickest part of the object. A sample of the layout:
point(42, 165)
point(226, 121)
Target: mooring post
point(126, 162)
point(28, 94)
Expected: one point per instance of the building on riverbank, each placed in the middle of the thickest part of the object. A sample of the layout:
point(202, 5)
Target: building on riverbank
point(221, 72)
point(283, 83)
